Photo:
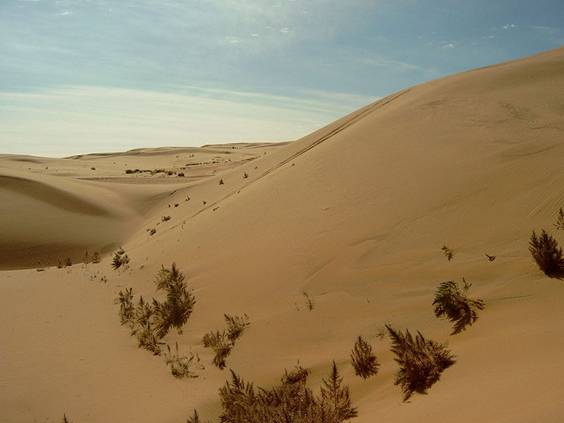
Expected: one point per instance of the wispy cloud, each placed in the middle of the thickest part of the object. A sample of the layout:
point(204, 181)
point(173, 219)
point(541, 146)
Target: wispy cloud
point(50, 122)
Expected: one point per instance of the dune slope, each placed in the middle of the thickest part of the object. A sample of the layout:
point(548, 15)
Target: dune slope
point(355, 215)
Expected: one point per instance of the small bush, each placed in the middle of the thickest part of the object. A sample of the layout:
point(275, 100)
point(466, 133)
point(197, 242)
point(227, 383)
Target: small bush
point(547, 254)
point(148, 338)
point(182, 366)
point(421, 361)
point(221, 346)
point(152, 231)
point(165, 218)
point(236, 325)
point(221, 181)
point(68, 262)
point(291, 401)
point(179, 304)
point(120, 259)
point(245, 175)
point(96, 257)
point(180, 174)
point(66, 419)
point(126, 307)
point(452, 302)
point(449, 254)
point(363, 359)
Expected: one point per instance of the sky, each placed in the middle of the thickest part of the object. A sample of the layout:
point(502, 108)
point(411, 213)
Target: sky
point(79, 76)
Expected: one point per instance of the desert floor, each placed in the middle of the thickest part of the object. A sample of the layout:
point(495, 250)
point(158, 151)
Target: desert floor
point(354, 214)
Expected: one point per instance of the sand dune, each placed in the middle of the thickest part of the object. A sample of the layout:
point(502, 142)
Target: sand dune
point(354, 214)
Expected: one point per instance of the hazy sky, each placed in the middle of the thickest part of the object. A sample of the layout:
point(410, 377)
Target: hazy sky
point(104, 75)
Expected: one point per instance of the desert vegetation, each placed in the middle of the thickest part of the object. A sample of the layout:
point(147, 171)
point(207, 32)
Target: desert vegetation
point(221, 343)
point(310, 304)
point(290, 401)
point(151, 321)
point(182, 366)
point(120, 259)
point(547, 254)
point(421, 361)
point(448, 253)
point(452, 301)
point(363, 359)
point(560, 220)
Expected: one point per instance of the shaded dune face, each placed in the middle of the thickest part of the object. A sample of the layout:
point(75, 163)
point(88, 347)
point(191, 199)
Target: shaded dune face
point(57, 198)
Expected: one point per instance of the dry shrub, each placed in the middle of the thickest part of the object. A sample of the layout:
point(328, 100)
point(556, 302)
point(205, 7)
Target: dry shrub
point(560, 220)
point(220, 345)
point(179, 304)
point(126, 307)
point(236, 325)
point(452, 302)
point(449, 254)
point(223, 342)
point(363, 359)
point(182, 366)
point(547, 254)
point(149, 322)
point(421, 361)
point(120, 259)
point(291, 401)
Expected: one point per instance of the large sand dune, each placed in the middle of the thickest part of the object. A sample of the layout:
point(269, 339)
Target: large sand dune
point(355, 214)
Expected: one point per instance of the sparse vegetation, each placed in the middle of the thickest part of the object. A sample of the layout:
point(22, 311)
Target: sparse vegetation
point(120, 259)
point(165, 218)
point(560, 220)
point(152, 231)
point(223, 342)
point(182, 366)
point(195, 418)
point(221, 346)
point(221, 181)
point(68, 262)
point(149, 322)
point(96, 257)
point(310, 304)
point(179, 304)
point(126, 307)
point(449, 254)
point(66, 419)
point(452, 302)
point(236, 325)
point(363, 359)
point(547, 254)
point(490, 258)
point(245, 175)
point(421, 361)
point(291, 401)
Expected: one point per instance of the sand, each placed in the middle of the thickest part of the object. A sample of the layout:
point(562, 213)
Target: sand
point(354, 214)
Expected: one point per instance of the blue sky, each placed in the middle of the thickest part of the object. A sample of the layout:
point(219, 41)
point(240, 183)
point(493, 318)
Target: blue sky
point(102, 75)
